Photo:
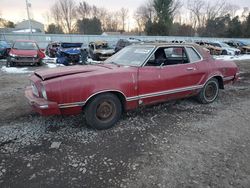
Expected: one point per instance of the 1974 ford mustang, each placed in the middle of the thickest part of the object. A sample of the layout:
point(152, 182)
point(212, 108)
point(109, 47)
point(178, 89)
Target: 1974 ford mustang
point(137, 75)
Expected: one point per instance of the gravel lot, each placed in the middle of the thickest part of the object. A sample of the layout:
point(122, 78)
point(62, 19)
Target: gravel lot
point(176, 144)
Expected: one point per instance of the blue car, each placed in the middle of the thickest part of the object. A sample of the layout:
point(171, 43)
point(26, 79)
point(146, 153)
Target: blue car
point(69, 53)
point(4, 49)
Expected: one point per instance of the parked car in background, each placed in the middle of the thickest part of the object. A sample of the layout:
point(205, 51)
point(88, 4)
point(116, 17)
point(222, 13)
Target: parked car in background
point(25, 52)
point(100, 50)
point(4, 49)
point(52, 49)
point(68, 53)
point(226, 49)
point(121, 43)
point(84, 53)
point(137, 75)
point(241, 45)
point(213, 50)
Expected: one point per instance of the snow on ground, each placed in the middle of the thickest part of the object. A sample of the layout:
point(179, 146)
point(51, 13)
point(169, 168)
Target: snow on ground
point(53, 65)
point(48, 59)
point(237, 58)
point(15, 70)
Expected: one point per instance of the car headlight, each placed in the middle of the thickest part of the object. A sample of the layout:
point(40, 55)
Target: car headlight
point(12, 55)
point(34, 89)
point(44, 94)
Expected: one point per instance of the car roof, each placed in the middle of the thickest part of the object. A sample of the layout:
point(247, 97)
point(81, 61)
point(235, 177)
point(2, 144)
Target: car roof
point(199, 48)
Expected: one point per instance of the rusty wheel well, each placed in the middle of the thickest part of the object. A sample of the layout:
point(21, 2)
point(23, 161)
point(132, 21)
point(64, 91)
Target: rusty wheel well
point(120, 96)
point(220, 81)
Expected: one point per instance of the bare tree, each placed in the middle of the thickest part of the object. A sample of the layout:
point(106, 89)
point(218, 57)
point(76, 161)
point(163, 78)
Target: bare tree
point(196, 8)
point(142, 15)
point(84, 9)
point(64, 14)
point(201, 11)
point(123, 16)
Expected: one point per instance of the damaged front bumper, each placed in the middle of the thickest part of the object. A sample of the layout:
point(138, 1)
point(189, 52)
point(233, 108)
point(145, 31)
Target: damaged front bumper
point(40, 105)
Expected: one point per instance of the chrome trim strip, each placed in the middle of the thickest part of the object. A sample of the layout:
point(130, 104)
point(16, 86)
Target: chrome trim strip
point(129, 99)
point(70, 105)
point(167, 92)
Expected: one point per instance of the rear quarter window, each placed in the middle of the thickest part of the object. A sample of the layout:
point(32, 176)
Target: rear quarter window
point(193, 55)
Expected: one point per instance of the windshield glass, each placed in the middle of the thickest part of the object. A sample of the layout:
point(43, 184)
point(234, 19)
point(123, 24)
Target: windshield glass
point(103, 47)
point(25, 45)
point(131, 55)
point(3, 44)
point(71, 45)
point(244, 43)
point(224, 45)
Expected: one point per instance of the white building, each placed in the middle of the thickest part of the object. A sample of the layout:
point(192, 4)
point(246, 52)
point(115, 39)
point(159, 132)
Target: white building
point(36, 26)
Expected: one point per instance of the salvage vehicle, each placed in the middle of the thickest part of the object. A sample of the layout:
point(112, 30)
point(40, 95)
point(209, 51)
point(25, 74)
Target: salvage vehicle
point(100, 50)
point(242, 46)
point(137, 75)
point(69, 53)
point(121, 43)
point(52, 49)
point(25, 52)
point(214, 50)
point(226, 49)
point(4, 49)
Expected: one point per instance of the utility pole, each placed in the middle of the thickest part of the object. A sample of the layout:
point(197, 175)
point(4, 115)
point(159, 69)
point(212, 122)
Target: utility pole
point(28, 13)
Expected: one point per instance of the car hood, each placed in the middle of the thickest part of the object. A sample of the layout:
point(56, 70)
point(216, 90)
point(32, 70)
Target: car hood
point(24, 52)
point(71, 51)
point(108, 51)
point(247, 47)
point(78, 69)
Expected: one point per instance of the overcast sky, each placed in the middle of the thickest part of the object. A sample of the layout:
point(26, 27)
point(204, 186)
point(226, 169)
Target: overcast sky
point(14, 10)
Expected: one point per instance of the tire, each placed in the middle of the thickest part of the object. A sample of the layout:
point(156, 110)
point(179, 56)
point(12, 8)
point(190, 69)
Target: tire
point(209, 92)
point(103, 111)
point(224, 52)
point(39, 63)
point(9, 63)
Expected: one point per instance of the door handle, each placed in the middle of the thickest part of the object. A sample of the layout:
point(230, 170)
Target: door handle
point(191, 68)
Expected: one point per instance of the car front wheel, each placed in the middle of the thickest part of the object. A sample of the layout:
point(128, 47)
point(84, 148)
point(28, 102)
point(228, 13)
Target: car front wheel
point(209, 92)
point(103, 111)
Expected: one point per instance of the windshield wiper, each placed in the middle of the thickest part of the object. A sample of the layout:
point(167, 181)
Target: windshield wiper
point(112, 62)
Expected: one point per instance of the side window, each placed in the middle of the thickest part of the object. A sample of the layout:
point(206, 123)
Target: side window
point(175, 55)
point(168, 56)
point(193, 55)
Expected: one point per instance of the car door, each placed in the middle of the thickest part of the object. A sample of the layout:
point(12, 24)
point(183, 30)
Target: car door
point(177, 77)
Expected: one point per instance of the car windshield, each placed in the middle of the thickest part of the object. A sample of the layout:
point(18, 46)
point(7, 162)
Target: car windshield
point(131, 55)
point(25, 45)
point(224, 45)
point(244, 43)
point(103, 47)
point(71, 45)
point(3, 44)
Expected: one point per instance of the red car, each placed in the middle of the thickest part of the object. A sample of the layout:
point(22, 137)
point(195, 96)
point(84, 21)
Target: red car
point(25, 52)
point(137, 75)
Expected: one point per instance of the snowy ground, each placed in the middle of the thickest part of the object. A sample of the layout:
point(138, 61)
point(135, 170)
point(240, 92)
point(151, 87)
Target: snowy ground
point(233, 58)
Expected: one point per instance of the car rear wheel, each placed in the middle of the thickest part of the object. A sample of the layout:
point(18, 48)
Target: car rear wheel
point(103, 111)
point(209, 92)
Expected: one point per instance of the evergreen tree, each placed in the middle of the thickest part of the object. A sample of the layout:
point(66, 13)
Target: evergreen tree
point(54, 29)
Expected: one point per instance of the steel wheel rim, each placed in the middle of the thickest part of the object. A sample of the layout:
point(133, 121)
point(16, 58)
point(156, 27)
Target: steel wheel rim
point(105, 111)
point(211, 91)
